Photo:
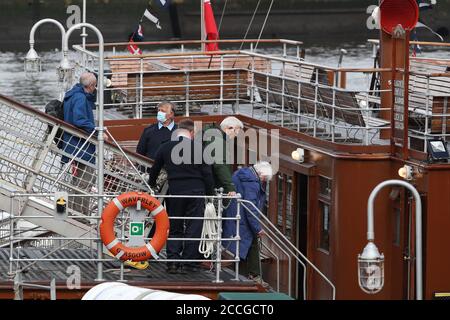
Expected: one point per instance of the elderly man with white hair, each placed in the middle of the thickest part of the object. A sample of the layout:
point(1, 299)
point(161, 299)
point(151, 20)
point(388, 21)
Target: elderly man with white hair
point(223, 169)
point(79, 103)
point(251, 183)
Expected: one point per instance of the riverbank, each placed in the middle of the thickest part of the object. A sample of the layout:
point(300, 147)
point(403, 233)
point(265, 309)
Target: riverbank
point(316, 22)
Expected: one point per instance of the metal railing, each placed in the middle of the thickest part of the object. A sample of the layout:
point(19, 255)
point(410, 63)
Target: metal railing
point(19, 264)
point(429, 104)
point(276, 236)
point(283, 90)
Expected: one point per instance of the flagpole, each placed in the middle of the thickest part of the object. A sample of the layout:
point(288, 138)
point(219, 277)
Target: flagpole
point(202, 24)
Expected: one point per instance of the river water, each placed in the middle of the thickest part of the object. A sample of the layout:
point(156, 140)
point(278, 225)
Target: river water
point(38, 92)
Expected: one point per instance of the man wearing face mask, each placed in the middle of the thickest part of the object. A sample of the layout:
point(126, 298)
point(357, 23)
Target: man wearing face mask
point(79, 103)
point(155, 135)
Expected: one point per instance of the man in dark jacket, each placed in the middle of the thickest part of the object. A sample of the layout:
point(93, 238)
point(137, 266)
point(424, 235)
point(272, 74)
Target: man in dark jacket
point(251, 184)
point(155, 135)
point(78, 105)
point(186, 176)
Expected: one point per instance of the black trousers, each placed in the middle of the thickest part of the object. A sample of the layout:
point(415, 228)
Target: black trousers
point(185, 228)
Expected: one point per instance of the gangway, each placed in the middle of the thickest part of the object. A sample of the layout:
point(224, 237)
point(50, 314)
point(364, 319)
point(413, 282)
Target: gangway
point(30, 163)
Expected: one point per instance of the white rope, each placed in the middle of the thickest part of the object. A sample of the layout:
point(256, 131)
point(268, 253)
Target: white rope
point(250, 24)
point(265, 22)
point(209, 231)
point(223, 14)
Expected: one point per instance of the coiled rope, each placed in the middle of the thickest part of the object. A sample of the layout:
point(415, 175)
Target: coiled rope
point(209, 231)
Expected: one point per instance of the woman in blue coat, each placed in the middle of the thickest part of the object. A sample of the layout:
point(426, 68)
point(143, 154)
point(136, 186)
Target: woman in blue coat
point(250, 183)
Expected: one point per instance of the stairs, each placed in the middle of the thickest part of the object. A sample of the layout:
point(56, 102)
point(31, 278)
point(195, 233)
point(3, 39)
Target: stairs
point(30, 163)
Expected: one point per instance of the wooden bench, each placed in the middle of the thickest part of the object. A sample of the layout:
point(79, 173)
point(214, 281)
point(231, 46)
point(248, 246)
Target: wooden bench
point(346, 108)
point(192, 85)
point(120, 69)
point(437, 100)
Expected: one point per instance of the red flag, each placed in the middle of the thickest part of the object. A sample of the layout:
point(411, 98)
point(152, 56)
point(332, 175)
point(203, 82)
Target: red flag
point(133, 48)
point(210, 27)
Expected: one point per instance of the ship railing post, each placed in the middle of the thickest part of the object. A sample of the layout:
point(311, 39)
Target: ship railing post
point(187, 93)
point(53, 289)
point(18, 288)
point(219, 236)
point(141, 88)
point(316, 101)
point(299, 96)
point(11, 234)
point(368, 112)
point(283, 97)
point(221, 84)
point(238, 239)
point(333, 116)
point(123, 241)
point(252, 91)
point(267, 94)
point(238, 91)
point(427, 109)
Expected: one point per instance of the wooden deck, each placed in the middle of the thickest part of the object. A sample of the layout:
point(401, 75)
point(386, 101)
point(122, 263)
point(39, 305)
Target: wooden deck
point(155, 277)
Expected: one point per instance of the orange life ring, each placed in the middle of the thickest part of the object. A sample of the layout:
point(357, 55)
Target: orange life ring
point(117, 248)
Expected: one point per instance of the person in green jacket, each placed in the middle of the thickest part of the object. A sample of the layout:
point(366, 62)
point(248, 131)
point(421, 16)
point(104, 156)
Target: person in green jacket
point(223, 170)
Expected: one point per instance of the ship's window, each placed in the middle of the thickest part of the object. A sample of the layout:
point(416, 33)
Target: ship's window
point(397, 227)
point(325, 187)
point(324, 226)
point(284, 219)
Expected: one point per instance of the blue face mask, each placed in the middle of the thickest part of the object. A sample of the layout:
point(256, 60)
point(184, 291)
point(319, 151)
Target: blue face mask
point(161, 117)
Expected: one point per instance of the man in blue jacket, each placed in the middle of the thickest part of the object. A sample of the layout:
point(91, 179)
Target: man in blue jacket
point(251, 184)
point(79, 103)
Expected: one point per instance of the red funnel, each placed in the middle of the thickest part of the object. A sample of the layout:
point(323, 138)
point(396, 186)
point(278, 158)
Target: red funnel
point(395, 12)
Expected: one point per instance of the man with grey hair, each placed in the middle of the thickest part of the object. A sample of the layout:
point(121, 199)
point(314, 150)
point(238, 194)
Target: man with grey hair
point(251, 182)
point(223, 169)
point(79, 103)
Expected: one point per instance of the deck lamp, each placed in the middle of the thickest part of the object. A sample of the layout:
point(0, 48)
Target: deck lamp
point(406, 172)
point(371, 262)
point(298, 155)
point(32, 63)
point(65, 73)
point(371, 269)
point(437, 150)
